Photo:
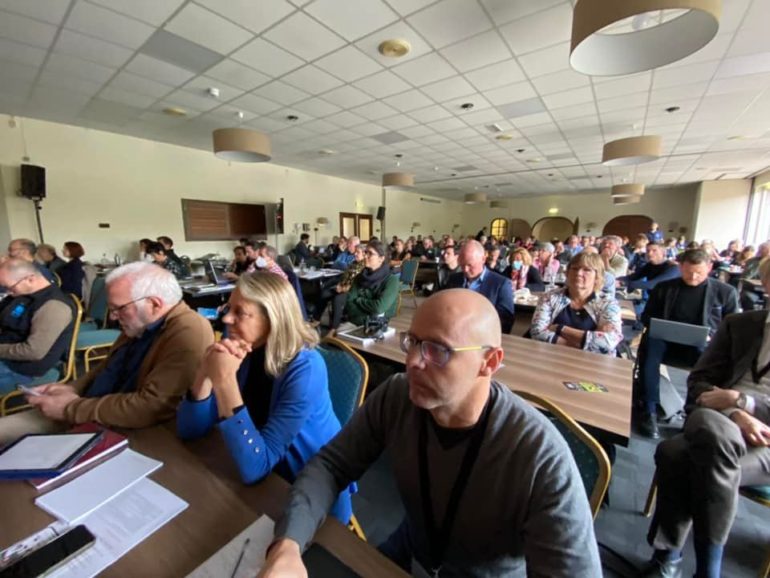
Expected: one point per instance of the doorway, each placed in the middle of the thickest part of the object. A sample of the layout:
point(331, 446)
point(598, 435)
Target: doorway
point(358, 224)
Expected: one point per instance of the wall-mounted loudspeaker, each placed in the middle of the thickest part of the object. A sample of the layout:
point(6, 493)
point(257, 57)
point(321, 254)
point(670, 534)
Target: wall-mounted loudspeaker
point(32, 182)
point(380, 213)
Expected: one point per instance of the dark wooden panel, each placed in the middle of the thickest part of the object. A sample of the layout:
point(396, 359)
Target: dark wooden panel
point(217, 221)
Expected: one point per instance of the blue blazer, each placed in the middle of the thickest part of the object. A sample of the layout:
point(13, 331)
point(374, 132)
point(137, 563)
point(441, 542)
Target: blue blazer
point(497, 289)
point(300, 422)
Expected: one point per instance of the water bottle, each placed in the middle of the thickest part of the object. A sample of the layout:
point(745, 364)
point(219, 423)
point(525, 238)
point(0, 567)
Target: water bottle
point(302, 266)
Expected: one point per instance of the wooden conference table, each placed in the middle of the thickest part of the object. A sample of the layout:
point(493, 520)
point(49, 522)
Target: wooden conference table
point(542, 368)
point(220, 507)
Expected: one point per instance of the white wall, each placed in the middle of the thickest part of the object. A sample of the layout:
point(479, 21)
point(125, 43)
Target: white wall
point(667, 206)
point(721, 211)
point(435, 218)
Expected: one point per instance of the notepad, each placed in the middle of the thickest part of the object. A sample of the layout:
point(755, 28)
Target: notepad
point(84, 494)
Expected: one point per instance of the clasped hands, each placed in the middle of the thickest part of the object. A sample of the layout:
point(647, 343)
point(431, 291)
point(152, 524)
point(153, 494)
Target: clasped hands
point(218, 367)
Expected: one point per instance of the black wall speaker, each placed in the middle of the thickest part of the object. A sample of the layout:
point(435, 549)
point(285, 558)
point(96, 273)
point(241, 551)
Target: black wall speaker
point(380, 213)
point(279, 218)
point(32, 182)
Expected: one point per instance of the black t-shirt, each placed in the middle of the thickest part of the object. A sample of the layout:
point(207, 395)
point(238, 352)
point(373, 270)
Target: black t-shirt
point(688, 307)
point(258, 389)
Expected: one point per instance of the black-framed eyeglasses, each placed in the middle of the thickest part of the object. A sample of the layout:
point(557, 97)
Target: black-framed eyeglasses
point(119, 309)
point(12, 287)
point(435, 353)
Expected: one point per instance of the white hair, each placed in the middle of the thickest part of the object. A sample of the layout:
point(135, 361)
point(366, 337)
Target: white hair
point(149, 280)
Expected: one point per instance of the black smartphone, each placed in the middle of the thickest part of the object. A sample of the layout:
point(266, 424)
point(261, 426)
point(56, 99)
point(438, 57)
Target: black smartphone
point(321, 563)
point(51, 556)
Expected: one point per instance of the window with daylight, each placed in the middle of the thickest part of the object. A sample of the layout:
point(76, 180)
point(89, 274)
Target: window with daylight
point(499, 228)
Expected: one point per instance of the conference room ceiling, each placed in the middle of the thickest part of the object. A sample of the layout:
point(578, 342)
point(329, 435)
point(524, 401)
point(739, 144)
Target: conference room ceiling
point(115, 65)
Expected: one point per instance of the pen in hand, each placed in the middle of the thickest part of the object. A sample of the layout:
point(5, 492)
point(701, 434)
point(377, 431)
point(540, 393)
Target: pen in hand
point(240, 557)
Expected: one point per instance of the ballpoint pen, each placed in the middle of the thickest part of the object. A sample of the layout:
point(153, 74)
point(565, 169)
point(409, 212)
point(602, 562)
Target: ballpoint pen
point(240, 557)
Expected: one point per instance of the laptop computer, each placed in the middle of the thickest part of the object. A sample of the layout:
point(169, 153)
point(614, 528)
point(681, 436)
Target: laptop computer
point(678, 332)
point(211, 273)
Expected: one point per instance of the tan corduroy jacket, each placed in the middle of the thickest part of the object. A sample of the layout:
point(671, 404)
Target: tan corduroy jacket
point(165, 375)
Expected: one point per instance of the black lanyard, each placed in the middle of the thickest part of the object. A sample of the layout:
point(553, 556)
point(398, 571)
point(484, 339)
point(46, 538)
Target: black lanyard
point(438, 537)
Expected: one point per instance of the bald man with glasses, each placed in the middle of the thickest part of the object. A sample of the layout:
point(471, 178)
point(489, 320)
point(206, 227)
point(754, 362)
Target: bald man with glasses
point(489, 486)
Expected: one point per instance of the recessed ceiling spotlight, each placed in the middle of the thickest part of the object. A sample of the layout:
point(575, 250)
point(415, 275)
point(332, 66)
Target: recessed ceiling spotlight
point(504, 137)
point(435, 169)
point(550, 174)
point(671, 109)
point(520, 150)
point(466, 105)
point(292, 117)
point(599, 176)
point(394, 48)
point(175, 111)
point(213, 92)
point(454, 174)
point(398, 155)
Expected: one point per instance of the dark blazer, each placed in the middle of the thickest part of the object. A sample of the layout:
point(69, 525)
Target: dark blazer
point(497, 289)
point(729, 356)
point(534, 279)
point(72, 276)
point(721, 300)
point(302, 251)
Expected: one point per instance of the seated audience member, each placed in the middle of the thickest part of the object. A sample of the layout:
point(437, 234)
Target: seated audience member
point(398, 254)
point(302, 249)
point(392, 244)
point(347, 256)
point(655, 235)
point(522, 273)
point(149, 367)
point(336, 290)
point(694, 298)
point(723, 445)
point(546, 262)
point(522, 508)
point(561, 254)
point(612, 255)
point(495, 263)
point(449, 267)
point(168, 245)
point(580, 315)
point(733, 251)
point(72, 274)
point(144, 255)
point(25, 250)
point(572, 248)
point(476, 277)
point(252, 252)
point(671, 249)
point(681, 243)
point(375, 290)
point(751, 296)
point(429, 252)
point(656, 270)
point(745, 255)
point(638, 256)
point(708, 246)
point(333, 249)
point(264, 387)
point(160, 257)
point(46, 254)
point(238, 265)
point(35, 324)
point(608, 288)
point(266, 262)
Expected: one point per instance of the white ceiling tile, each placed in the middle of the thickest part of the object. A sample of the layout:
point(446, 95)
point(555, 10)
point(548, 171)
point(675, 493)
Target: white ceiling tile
point(205, 28)
point(91, 49)
point(316, 107)
point(61, 63)
point(425, 69)
point(352, 20)
point(68, 81)
point(133, 83)
point(51, 11)
point(449, 21)
point(26, 30)
point(303, 36)
point(267, 124)
point(430, 113)
point(742, 65)
point(267, 58)
point(11, 51)
point(397, 122)
point(126, 97)
point(201, 85)
point(739, 83)
point(482, 50)
point(370, 129)
point(446, 124)
point(558, 81)
point(539, 30)
point(320, 126)
point(496, 75)
point(627, 85)
point(374, 110)
point(569, 112)
point(107, 25)
point(281, 92)
point(674, 95)
point(503, 11)
point(409, 100)
point(254, 16)
point(154, 12)
point(312, 79)
point(419, 47)
point(255, 104)
point(448, 89)
point(485, 117)
point(158, 70)
point(349, 64)
point(347, 96)
point(511, 93)
point(703, 71)
point(546, 61)
point(406, 7)
point(382, 84)
point(237, 74)
point(346, 119)
point(192, 100)
point(569, 97)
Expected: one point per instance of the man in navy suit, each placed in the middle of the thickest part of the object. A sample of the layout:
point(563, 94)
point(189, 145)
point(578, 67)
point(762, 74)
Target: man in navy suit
point(478, 278)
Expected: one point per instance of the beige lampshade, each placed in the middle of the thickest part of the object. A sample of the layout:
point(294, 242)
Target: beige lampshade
point(638, 40)
point(242, 145)
point(398, 180)
point(474, 198)
point(631, 151)
point(498, 205)
point(627, 190)
point(322, 221)
point(626, 200)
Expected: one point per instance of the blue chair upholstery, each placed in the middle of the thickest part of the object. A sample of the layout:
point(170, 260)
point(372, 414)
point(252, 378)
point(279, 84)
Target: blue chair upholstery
point(409, 276)
point(759, 494)
point(97, 306)
point(348, 375)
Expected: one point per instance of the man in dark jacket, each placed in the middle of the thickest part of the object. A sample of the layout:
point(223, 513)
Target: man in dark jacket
point(476, 277)
point(656, 270)
point(695, 298)
point(35, 324)
point(724, 445)
point(302, 249)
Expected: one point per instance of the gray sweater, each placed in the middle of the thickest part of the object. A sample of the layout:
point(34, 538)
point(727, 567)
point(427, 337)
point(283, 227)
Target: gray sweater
point(524, 510)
